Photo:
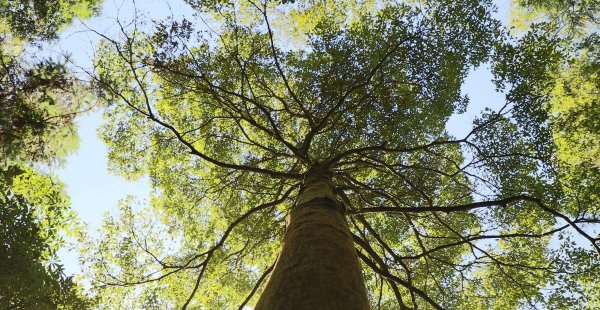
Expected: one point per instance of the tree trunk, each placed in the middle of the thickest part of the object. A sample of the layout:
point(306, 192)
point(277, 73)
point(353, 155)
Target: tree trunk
point(318, 267)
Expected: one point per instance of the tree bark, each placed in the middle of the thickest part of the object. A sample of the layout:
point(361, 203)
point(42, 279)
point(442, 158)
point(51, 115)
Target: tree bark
point(318, 266)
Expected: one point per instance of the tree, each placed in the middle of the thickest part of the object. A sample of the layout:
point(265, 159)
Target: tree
point(573, 18)
point(574, 92)
point(34, 211)
point(570, 97)
point(39, 99)
point(311, 161)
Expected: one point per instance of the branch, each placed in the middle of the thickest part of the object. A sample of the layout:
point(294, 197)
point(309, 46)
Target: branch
point(392, 277)
point(367, 247)
point(447, 209)
point(255, 288)
point(278, 65)
point(150, 115)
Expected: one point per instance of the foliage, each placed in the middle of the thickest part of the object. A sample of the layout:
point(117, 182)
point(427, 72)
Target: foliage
point(43, 19)
point(34, 209)
point(39, 99)
point(573, 18)
point(226, 119)
point(571, 99)
point(37, 108)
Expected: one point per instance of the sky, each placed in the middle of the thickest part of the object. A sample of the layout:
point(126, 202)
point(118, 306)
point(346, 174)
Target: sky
point(95, 192)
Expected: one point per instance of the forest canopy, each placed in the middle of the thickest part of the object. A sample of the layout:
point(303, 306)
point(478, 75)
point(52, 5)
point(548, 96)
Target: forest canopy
point(39, 99)
point(301, 157)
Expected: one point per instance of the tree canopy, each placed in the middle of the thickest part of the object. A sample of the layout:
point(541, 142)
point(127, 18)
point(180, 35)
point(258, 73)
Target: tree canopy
point(231, 111)
point(227, 113)
point(39, 99)
point(34, 214)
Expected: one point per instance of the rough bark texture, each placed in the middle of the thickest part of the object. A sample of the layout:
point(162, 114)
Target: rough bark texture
point(318, 267)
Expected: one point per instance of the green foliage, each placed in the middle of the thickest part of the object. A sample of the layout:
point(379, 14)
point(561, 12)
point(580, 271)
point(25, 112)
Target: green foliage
point(566, 91)
point(572, 18)
point(37, 108)
point(43, 19)
point(226, 121)
point(33, 210)
point(39, 100)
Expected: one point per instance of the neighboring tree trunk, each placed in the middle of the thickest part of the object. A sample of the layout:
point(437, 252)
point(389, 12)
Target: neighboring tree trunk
point(318, 267)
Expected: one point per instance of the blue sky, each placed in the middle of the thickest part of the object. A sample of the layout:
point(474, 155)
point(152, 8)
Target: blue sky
point(94, 191)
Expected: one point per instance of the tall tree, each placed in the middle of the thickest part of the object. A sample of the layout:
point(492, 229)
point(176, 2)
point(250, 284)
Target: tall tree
point(39, 99)
point(570, 96)
point(309, 160)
